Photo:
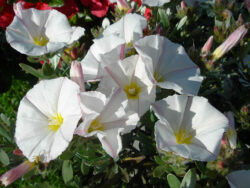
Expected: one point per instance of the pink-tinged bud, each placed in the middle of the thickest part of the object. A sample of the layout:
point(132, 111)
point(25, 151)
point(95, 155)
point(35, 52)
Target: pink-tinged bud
point(74, 53)
point(183, 5)
point(240, 20)
point(216, 30)
point(230, 42)
point(76, 74)
point(207, 46)
point(130, 11)
point(123, 5)
point(18, 152)
point(159, 29)
point(12, 175)
point(247, 3)
point(231, 132)
point(244, 110)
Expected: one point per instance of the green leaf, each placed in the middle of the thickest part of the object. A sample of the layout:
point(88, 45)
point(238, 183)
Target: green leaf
point(181, 23)
point(163, 18)
point(4, 157)
point(31, 70)
point(56, 3)
point(160, 170)
point(189, 179)
point(66, 155)
point(4, 133)
point(173, 181)
point(201, 167)
point(84, 168)
point(67, 171)
point(47, 70)
point(32, 59)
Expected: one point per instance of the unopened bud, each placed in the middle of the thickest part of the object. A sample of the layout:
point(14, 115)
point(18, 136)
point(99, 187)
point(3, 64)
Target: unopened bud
point(159, 29)
point(123, 5)
point(183, 5)
point(247, 3)
point(12, 175)
point(207, 46)
point(230, 42)
point(244, 110)
point(76, 74)
point(240, 20)
point(74, 53)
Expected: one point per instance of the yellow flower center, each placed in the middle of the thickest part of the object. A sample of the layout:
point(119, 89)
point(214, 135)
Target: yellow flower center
point(96, 125)
point(55, 122)
point(40, 41)
point(158, 77)
point(183, 137)
point(132, 91)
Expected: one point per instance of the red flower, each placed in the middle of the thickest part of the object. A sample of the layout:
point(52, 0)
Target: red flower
point(6, 14)
point(147, 13)
point(139, 2)
point(38, 5)
point(69, 8)
point(98, 8)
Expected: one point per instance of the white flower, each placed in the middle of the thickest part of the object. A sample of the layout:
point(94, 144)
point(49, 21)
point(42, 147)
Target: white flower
point(129, 27)
point(104, 51)
point(189, 126)
point(106, 118)
point(155, 3)
point(231, 132)
point(131, 76)
point(37, 32)
point(169, 65)
point(46, 119)
point(239, 179)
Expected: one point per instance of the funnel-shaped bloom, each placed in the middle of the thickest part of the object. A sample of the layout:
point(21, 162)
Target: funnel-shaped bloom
point(106, 118)
point(189, 126)
point(169, 65)
point(104, 51)
point(239, 179)
point(231, 132)
point(155, 3)
point(129, 27)
point(15, 173)
point(230, 42)
point(37, 32)
point(46, 119)
point(76, 74)
point(131, 76)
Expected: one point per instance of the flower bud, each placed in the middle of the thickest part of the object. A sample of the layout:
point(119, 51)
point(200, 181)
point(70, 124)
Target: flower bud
point(76, 74)
point(122, 5)
point(247, 3)
point(15, 173)
point(183, 5)
point(207, 46)
point(230, 42)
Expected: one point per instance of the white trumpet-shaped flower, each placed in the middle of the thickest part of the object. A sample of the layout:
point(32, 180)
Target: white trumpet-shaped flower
point(129, 27)
point(239, 179)
point(106, 118)
point(169, 65)
point(189, 126)
point(131, 76)
point(155, 3)
point(46, 119)
point(37, 32)
point(104, 51)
